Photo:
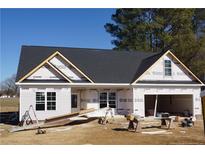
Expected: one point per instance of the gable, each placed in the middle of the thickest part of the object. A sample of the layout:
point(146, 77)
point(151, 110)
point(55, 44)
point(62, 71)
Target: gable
point(92, 65)
point(45, 73)
point(67, 69)
point(178, 71)
point(54, 68)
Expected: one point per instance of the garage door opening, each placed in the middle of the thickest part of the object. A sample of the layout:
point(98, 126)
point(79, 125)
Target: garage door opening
point(177, 105)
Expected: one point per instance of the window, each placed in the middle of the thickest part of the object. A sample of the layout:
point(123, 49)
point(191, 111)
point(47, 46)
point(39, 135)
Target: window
point(108, 99)
point(167, 68)
point(40, 101)
point(74, 101)
point(51, 101)
point(103, 100)
point(112, 100)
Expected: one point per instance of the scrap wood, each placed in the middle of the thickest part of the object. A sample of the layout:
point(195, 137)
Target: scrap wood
point(157, 132)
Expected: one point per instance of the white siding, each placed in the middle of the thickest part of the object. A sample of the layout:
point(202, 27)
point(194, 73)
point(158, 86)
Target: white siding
point(157, 72)
point(28, 97)
point(140, 91)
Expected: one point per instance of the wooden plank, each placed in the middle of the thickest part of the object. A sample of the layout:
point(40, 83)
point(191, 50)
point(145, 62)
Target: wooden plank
point(28, 127)
point(52, 122)
point(155, 106)
point(70, 115)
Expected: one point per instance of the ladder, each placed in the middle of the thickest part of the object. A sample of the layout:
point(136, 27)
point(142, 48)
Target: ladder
point(26, 118)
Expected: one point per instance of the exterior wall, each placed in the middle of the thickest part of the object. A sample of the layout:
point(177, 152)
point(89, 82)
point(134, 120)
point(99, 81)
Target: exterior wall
point(125, 101)
point(128, 100)
point(28, 97)
point(90, 99)
point(157, 72)
point(140, 91)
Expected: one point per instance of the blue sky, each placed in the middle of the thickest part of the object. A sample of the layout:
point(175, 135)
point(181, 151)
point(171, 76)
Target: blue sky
point(50, 27)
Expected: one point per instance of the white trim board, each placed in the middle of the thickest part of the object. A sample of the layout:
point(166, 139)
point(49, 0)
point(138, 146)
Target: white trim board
point(107, 84)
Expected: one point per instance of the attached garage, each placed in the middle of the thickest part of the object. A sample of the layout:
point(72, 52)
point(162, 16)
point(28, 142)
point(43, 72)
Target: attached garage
point(175, 100)
point(181, 105)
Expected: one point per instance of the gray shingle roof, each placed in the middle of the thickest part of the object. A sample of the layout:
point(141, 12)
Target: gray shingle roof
point(100, 65)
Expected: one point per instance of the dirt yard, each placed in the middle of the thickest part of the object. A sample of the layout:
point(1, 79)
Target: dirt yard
point(94, 133)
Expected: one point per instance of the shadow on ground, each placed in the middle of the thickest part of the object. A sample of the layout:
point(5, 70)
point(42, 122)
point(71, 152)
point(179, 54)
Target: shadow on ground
point(78, 122)
point(11, 118)
point(143, 128)
point(120, 129)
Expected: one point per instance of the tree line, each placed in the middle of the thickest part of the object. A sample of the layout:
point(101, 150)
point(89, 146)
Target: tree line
point(8, 87)
point(155, 30)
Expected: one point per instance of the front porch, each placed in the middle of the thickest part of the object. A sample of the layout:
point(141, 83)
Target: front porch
point(120, 99)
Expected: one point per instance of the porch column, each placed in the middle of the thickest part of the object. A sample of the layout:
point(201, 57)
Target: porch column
point(155, 106)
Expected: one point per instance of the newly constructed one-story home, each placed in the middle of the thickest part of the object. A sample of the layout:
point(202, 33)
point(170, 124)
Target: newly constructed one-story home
point(60, 80)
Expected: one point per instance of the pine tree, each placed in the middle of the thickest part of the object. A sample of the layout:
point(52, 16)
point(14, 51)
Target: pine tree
point(153, 30)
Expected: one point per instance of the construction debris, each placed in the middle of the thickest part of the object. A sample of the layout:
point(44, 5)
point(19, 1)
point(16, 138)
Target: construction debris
point(157, 132)
point(27, 123)
point(59, 129)
point(40, 131)
point(187, 122)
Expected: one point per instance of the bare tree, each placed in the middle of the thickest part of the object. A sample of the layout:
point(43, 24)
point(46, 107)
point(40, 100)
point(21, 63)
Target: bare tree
point(8, 87)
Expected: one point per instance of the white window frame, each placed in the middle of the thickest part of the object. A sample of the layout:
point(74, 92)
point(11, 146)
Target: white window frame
point(40, 101)
point(107, 99)
point(169, 67)
point(50, 101)
point(46, 100)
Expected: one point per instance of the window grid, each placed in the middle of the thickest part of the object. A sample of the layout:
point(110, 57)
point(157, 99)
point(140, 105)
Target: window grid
point(40, 101)
point(108, 99)
point(103, 99)
point(167, 68)
point(51, 101)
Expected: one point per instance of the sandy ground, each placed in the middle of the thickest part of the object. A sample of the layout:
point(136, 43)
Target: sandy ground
point(94, 133)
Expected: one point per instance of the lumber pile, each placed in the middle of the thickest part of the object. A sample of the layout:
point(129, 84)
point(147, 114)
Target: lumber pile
point(70, 115)
point(53, 121)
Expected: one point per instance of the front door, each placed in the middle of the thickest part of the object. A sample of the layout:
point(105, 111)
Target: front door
point(75, 103)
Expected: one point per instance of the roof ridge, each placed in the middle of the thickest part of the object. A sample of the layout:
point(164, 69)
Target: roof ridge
point(93, 49)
